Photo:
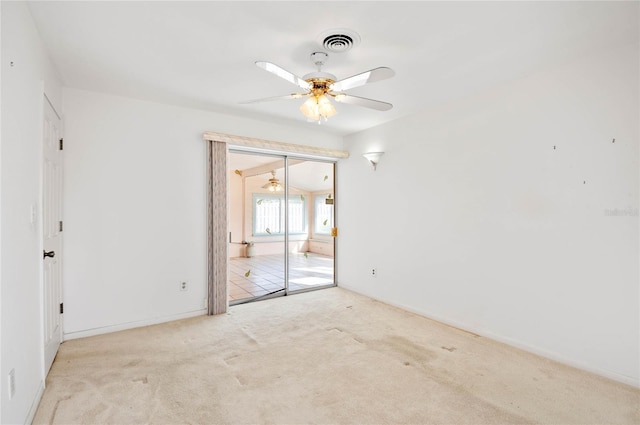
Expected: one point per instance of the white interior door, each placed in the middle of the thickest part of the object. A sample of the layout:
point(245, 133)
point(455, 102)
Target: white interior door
point(52, 234)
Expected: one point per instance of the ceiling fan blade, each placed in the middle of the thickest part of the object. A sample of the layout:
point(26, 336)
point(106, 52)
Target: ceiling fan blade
point(362, 101)
point(269, 99)
point(283, 73)
point(363, 78)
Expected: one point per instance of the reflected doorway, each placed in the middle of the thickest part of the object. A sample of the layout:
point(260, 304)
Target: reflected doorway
point(281, 216)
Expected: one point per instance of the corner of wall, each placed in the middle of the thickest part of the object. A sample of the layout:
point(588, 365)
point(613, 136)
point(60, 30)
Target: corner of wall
point(25, 76)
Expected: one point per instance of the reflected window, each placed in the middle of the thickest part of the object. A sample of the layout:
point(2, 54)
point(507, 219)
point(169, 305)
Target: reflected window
point(268, 215)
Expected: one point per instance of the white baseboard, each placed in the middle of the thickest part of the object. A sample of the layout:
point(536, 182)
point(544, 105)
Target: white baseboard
point(514, 343)
point(34, 404)
point(131, 325)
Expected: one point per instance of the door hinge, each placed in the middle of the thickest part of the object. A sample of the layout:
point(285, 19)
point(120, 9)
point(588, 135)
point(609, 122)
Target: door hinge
point(61, 308)
point(61, 143)
point(334, 232)
point(60, 227)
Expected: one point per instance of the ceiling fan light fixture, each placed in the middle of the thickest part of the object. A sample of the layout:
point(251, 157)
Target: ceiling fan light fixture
point(275, 187)
point(274, 184)
point(325, 108)
point(318, 107)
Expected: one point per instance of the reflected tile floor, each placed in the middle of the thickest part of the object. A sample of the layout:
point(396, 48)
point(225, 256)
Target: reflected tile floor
point(266, 274)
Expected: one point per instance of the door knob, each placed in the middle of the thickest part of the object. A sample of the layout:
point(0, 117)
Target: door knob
point(48, 254)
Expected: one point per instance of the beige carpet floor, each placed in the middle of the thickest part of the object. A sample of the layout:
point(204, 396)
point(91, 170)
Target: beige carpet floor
point(325, 357)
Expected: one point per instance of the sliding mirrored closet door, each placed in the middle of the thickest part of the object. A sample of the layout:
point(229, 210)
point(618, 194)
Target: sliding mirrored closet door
point(281, 215)
point(311, 246)
point(257, 209)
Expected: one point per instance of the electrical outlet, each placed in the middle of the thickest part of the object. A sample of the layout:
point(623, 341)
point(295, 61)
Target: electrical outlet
point(184, 286)
point(12, 383)
point(374, 272)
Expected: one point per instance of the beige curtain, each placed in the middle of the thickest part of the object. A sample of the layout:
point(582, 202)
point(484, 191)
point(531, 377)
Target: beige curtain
point(217, 227)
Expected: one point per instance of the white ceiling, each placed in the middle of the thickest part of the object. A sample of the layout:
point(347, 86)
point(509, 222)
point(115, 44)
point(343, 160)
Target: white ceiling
point(202, 54)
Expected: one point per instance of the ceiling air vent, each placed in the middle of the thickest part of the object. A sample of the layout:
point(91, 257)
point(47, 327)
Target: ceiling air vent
point(338, 40)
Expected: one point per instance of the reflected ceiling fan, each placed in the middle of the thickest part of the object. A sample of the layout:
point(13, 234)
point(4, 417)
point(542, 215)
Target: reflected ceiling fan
point(274, 184)
point(319, 86)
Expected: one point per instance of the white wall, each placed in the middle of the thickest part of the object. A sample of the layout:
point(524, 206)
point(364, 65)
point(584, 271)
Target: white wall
point(135, 211)
point(500, 233)
point(23, 88)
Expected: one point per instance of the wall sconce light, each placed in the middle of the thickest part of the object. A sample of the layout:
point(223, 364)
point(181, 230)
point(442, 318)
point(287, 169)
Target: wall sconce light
point(373, 158)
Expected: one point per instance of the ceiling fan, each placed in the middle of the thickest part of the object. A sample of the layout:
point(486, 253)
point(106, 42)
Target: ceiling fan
point(319, 86)
point(274, 184)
